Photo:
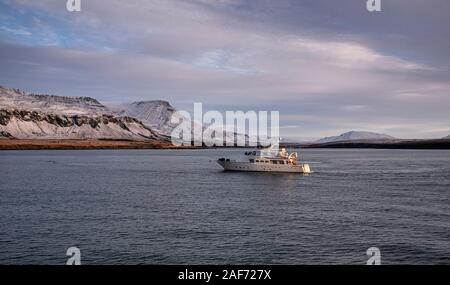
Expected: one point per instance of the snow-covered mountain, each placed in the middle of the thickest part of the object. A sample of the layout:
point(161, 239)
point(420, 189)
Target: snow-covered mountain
point(31, 116)
point(157, 115)
point(446, 138)
point(355, 135)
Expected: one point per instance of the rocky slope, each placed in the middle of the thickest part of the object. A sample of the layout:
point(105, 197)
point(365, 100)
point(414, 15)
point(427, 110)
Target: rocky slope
point(31, 116)
point(155, 114)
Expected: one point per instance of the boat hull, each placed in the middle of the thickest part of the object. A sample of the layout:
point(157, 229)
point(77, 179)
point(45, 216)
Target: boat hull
point(262, 167)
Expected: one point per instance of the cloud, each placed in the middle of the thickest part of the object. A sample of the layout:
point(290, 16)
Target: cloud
point(329, 64)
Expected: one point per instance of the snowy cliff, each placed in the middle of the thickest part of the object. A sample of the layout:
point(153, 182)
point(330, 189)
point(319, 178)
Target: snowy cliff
point(32, 116)
point(155, 114)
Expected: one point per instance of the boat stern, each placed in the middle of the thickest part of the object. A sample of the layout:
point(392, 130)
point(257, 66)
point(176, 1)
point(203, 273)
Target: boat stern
point(306, 168)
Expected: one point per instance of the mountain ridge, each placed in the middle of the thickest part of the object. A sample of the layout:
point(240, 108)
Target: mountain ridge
point(355, 135)
point(41, 116)
point(156, 114)
point(11, 98)
point(22, 117)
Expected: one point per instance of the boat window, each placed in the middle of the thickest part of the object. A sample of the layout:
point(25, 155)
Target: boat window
point(274, 161)
point(257, 160)
point(281, 162)
point(252, 161)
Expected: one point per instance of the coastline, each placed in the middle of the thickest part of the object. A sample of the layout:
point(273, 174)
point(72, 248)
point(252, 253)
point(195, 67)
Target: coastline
point(389, 144)
point(61, 144)
point(90, 144)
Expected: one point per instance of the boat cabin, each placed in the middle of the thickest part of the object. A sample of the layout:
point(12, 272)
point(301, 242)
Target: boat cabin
point(282, 157)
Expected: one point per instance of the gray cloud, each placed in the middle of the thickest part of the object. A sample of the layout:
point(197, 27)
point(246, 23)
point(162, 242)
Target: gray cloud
point(327, 66)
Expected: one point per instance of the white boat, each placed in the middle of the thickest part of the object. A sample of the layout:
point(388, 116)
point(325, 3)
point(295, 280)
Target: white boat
point(267, 161)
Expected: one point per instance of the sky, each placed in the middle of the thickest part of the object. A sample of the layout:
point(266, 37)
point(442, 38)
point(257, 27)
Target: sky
point(327, 66)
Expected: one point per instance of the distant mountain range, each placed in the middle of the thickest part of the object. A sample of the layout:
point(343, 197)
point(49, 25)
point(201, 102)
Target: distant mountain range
point(367, 137)
point(40, 116)
point(361, 139)
point(356, 135)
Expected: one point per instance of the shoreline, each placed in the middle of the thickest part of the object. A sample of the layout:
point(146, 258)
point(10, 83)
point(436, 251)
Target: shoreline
point(394, 144)
point(92, 144)
point(73, 144)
